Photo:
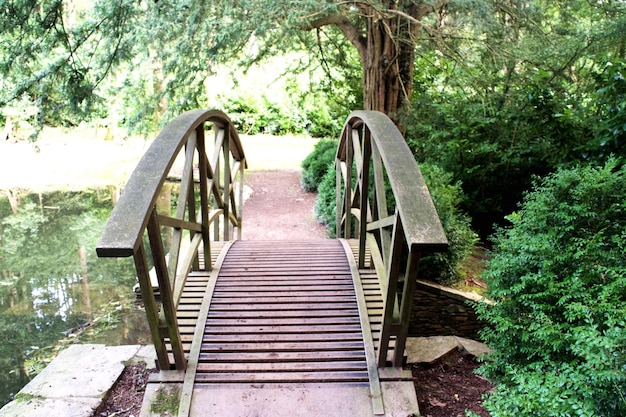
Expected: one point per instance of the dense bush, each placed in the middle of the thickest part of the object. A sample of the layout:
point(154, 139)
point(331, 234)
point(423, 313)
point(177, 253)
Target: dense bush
point(326, 202)
point(557, 277)
point(447, 197)
point(310, 112)
point(317, 163)
point(252, 116)
point(442, 267)
point(494, 151)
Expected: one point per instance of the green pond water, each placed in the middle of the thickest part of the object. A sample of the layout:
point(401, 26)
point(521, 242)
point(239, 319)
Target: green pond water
point(54, 290)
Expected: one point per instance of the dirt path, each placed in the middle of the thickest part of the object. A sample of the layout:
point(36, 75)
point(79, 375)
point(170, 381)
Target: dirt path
point(279, 208)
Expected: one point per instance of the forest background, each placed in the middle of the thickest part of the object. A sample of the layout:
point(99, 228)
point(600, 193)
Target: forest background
point(496, 93)
point(499, 91)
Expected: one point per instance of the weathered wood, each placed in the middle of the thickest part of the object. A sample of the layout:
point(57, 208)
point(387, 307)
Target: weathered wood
point(284, 342)
point(415, 207)
point(289, 376)
point(247, 357)
point(291, 325)
point(167, 297)
point(196, 344)
point(125, 227)
point(135, 214)
point(368, 340)
point(282, 367)
point(371, 141)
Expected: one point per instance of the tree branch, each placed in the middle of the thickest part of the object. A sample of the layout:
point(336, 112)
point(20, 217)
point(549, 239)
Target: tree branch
point(350, 31)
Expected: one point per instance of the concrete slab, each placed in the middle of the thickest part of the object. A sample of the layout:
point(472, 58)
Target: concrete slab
point(74, 383)
point(45, 407)
point(305, 400)
point(81, 371)
point(473, 347)
point(150, 395)
point(146, 354)
point(430, 349)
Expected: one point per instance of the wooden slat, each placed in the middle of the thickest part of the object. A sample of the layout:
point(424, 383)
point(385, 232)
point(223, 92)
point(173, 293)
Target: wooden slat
point(281, 377)
point(286, 307)
point(283, 313)
point(240, 357)
point(264, 346)
point(282, 367)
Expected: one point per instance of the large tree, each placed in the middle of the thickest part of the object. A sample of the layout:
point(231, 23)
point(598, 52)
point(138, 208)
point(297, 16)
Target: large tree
point(57, 53)
point(385, 35)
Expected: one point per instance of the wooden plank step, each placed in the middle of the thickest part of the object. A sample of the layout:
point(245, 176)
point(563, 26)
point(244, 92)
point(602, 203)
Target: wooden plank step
point(322, 305)
point(283, 313)
point(281, 321)
point(278, 265)
point(293, 329)
point(282, 366)
point(280, 293)
point(256, 301)
point(264, 346)
point(282, 282)
point(282, 273)
point(298, 337)
point(268, 261)
point(282, 377)
point(328, 356)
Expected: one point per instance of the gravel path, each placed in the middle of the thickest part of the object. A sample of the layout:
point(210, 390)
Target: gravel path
point(279, 208)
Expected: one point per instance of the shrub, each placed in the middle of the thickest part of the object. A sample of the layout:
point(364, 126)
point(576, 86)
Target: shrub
point(447, 196)
point(252, 115)
point(443, 268)
point(557, 277)
point(326, 202)
point(317, 163)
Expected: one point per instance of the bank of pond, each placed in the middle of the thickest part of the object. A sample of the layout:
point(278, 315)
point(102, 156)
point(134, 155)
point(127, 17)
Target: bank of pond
point(54, 290)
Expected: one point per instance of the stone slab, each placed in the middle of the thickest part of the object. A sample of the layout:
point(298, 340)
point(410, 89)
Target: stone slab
point(430, 349)
point(473, 347)
point(146, 354)
point(46, 407)
point(75, 383)
point(293, 400)
point(81, 371)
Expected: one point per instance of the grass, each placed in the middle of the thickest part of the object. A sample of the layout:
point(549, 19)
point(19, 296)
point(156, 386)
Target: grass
point(266, 152)
point(80, 158)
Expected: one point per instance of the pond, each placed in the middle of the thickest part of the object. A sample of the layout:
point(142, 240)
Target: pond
point(54, 290)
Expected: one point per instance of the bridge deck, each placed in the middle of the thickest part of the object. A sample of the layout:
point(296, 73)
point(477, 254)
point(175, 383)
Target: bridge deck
point(285, 312)
point(282, 320)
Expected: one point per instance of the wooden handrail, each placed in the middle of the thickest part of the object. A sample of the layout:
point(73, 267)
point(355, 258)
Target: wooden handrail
point(375, 150)
point(207, 198)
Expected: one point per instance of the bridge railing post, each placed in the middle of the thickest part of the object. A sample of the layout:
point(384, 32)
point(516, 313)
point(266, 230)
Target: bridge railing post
point(387, 180)
point(205, 197)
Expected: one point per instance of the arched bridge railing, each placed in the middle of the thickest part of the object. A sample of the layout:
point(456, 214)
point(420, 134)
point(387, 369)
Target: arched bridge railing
point(173, 199)
point(383, 201)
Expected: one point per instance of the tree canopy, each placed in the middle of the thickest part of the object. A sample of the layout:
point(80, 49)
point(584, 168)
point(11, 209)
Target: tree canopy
point(58, 53)
point(494, 91)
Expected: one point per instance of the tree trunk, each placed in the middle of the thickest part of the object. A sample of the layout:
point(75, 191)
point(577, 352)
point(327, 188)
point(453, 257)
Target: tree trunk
point(387, 51)
point(388, 70)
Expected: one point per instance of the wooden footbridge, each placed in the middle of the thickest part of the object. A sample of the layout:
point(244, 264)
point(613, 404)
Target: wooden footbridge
point(276, 328)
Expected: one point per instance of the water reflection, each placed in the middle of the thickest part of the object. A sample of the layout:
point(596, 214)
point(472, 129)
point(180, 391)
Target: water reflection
point(52, 284)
